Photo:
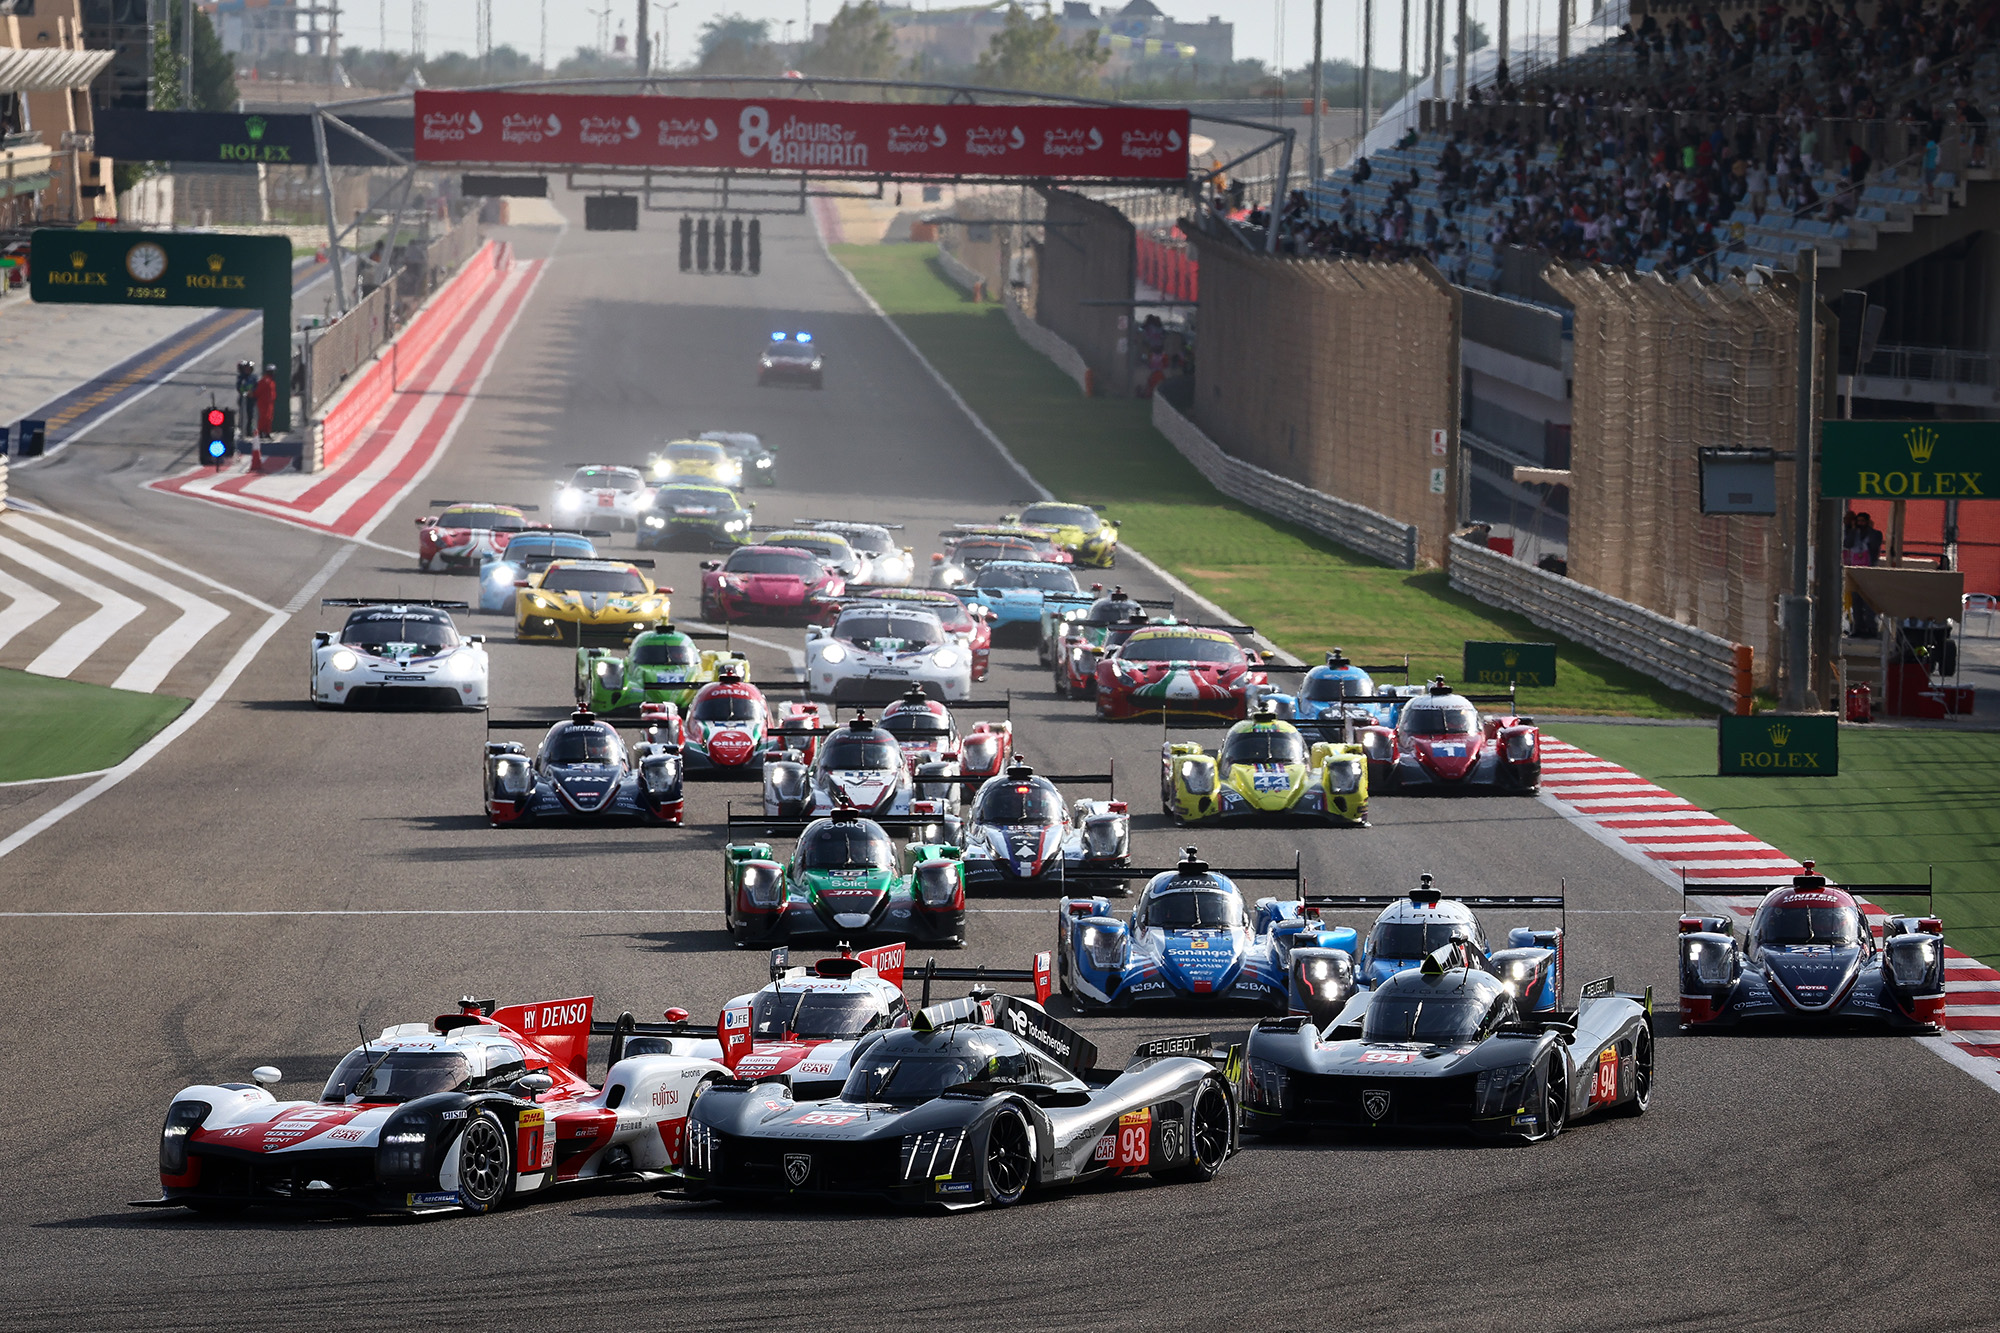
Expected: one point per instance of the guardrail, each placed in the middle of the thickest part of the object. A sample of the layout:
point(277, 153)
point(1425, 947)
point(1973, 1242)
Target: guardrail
point(1051, 345)
point(959, 272)
point(1354, 526)
point(1705, 665)
point(3, 483)
point(345, 345)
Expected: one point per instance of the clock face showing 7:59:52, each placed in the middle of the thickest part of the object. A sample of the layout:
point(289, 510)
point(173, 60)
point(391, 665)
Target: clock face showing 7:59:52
point(145, 262)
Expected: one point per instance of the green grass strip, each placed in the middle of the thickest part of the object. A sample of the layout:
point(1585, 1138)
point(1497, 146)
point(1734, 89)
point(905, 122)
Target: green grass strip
point(1301, 591)
point(1904, 800)
point(50, 728)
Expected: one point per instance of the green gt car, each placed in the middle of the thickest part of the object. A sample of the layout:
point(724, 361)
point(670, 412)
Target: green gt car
point(844, 881)
point(659, 666)
point(695, 514)
point(1264, 774)
point(1090, 538)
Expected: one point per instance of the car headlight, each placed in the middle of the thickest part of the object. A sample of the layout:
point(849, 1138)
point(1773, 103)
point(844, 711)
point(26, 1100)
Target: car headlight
point(833, 652)
point(1197, 777)
point(763, 462)
point(787, 782)
point(568, 498)
point(937, 883)
point(1106, 948)
point(343, 661)
point(1709, 960)
point(733, 525)
point(500, 575)
point(764, 360)
point(1500, 1091)
point(511, 776)
point(655, 521)
point(1520, 747)
point(815, 364)
point(944, 659)
point(763, 884)
point(403, 1146)
point(1912, 960)
point(1343, 776)
point(183, 1118)
point(979, 753)
point(1104, 840)
point(662, 468)
point(660, 774)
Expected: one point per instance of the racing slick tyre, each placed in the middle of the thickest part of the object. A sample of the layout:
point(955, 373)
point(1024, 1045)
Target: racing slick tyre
point(424, 565)
point(1642, 1075)
point(710, 611)
point(1209, 1135)
point(819, 381)
point(1007, 1160)
point(1062, 683)
point(485, 1163)
point(1551, 1087)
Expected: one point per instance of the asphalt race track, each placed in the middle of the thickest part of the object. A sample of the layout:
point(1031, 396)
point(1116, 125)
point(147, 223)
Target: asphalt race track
point(280, 874)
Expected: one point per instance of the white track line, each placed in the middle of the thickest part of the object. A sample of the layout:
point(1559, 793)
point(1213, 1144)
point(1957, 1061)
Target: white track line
point(158, 559)
point(76, 644)
point(165, 650)
point(456, 911)
point(28, 605)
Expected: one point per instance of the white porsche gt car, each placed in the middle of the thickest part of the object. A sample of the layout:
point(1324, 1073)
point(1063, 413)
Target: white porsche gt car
point(393, 654)
point(877, 652)
point(604, 494)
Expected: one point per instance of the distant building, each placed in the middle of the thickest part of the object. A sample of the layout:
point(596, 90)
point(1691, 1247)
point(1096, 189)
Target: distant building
point(47, 169)
point(1141, 38)
point(274, 27)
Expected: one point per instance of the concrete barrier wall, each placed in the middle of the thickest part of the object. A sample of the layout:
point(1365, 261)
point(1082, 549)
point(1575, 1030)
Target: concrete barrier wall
point(1088, 255)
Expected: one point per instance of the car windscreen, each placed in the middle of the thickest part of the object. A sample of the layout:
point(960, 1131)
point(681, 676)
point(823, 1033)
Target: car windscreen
point(833, 552)
point(912, 723)
point(1195, 909)
point(726, 708)
point(772, 562)
point(695, 453)
point(1440, 1019)
point(1412, 939)
point(816, 1015)
point(1075, 516)
point(692, 497)
point(868, 541)
point(1264, 747)
point(395, 1076)
point(846, 845)
point(374, 630)
point(1809, 925)
point(1439, 721)
point(594, 580)
point(1325, 689)
point(523, 549)
point(858, 752)
point(481, 518)
point(582, 745)
point(910, 1079)
point(1111, 610)
point(1178, 648)
point(1049, 578)
point(889, 634)
point(590, 480)
point(664, 652)
point(1018, 803)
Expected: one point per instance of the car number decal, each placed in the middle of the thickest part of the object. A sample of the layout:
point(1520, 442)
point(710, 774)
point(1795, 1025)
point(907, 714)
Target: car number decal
point(825, 1118)
point(1606, 1087)
point(1388, 1057)
point(1135, 1139)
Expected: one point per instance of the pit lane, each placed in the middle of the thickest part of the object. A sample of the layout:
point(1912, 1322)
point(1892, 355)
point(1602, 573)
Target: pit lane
point(1782, 1182)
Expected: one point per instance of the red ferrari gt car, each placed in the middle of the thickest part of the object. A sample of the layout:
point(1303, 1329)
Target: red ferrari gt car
point(467, 532)
point(1440, 743)
point(767, 584)
point(1180, 671)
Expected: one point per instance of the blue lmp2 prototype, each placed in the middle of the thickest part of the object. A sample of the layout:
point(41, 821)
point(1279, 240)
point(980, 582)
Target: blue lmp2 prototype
point(1343, 687)
point(1189, 941)
point(528, 553)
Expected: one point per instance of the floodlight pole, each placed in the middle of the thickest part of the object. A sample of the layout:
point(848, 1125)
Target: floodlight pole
point(1798, 603)
point(1313, 163)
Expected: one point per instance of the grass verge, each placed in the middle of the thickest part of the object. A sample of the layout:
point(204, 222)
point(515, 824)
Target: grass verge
point(1904, 800)
point(57, 727)
point(1301, 591)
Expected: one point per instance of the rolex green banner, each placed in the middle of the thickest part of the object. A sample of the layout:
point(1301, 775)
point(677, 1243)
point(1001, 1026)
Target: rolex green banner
point(1910, 460)
point(1493, 662)
point(1771, 745)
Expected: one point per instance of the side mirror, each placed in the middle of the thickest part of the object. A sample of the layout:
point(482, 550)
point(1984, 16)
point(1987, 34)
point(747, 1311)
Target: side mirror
point(663, 588)
point(264, 1076)
point(426, 520)
point(676, 1015)
point(535, 1084)
point(520, 583)
point(1117, 523)
point(711, 564)
point(751, 505)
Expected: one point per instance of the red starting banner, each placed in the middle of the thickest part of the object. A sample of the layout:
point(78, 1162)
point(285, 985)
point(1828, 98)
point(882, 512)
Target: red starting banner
point(793, 134)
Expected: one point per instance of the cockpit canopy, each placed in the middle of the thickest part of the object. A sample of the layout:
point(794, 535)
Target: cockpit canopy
point(1442, 1009)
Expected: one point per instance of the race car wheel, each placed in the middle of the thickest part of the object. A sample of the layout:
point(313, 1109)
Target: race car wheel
point(1062, 682)
point(424, 564)
point(485, 1163)
point(1553, 1083)
point(1642, 1073)
point(1008, 1164)
point(1209, 1129)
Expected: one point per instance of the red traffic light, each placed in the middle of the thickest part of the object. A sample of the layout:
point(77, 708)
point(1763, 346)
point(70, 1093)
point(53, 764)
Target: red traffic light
point(216, 417)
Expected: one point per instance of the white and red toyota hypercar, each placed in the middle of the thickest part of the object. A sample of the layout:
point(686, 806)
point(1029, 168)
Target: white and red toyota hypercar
point(463, 1112)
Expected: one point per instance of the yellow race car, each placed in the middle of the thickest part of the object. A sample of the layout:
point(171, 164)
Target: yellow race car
point(695, 460)
point(578, 601)
point(1089, 537)
point(1266, 772)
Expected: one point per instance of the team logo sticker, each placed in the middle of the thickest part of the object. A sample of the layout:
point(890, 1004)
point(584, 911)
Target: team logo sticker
point(1375, 1102)
point(798, 1168)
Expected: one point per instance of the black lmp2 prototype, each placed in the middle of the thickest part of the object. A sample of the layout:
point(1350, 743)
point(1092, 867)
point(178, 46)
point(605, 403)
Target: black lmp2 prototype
point(1445, 1047)
point(581, 772)
point(979, 1101)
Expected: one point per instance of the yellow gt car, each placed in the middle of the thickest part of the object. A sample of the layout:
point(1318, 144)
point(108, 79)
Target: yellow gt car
point(1265, 773)
point(574, 601)
point(695, 460)
point(1090, 538)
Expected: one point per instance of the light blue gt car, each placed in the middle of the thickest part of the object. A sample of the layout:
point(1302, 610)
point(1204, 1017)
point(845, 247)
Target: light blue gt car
point(1016, 590)
point(526, 554)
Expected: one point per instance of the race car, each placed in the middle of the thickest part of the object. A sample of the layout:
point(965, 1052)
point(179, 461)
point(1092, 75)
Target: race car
point(960, 560)
point(825, 545)
point(843, 880)
point(1809, 960)
point(1189, 941)
point(462, 1113)
point(700, 515)
point(858, 766)
point(606, 495)
point(1019, 831)
point(1410, 927)
point(928, 732)
point(1180, 671)
point(1076, 659)
point(1091, 622)
point(581, 772)
point(877, 652)
point(886, 565)
point(1079, 529)
point(570, 601)
point(1018, 592)
point(1336, 700)
point(1441, 745)
point(1039, 539)
point(791, 357)
point(1448, 1046)
point(695, 462)
point(979, 1101)
point(1265, 772)
point(730, 728)
point(970, 627)
point(660, 665)
point(767, 584)
point(530, 553)
point(759, 464)
point(465, 532)
point(392, 654)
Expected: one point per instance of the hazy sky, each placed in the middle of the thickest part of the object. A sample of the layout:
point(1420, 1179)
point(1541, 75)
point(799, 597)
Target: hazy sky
point(571, 23)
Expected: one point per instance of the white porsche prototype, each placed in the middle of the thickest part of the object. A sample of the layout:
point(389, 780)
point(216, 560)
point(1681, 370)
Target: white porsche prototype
point(397, 655)
point(603, 495)
point(877, 652)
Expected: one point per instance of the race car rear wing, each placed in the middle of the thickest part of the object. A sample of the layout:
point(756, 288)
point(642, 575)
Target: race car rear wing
point(446, 504)
point(1191, 864)
point(1360, 902)
point(1109, 778)
point(792, 828)
point(1810, 879)
point(888, 962)
point(1030, 1022)
point(844, 523)
point(627, 1027)
point(431, 602)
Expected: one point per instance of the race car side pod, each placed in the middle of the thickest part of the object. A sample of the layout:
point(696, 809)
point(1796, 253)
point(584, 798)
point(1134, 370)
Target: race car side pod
point(526, 509)
point(627, 1026)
